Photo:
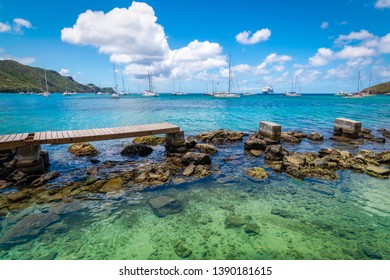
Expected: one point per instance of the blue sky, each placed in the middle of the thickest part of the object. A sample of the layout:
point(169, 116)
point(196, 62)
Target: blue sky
point(323, 43)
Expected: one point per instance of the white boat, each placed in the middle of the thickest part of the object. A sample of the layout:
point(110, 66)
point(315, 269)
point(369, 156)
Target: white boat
point(340, 93)
point(115, 95)
point(227, 94)
point(150, 92)
point(267, 90)
point(293, 92)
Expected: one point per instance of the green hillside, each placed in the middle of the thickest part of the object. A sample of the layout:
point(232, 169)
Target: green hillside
point(16, 77)
point(379, 89)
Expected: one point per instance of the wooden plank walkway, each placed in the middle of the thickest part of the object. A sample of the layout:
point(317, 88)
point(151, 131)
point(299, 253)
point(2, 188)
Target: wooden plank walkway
point(11, 141)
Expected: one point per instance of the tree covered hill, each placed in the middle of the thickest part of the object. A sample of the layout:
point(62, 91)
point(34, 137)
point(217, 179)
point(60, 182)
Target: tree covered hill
point(16, 77)
point(378, 89)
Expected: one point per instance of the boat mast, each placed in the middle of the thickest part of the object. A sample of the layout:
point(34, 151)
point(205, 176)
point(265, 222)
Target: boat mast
point(358, 85)
point(150, 81)
point(230, 74)
point(116, 84)
point(47, 88)
point(123, 84)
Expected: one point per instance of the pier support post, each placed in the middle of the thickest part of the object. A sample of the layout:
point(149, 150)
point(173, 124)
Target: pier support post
point(271, 130)
point(29, 159)
point(175, 142)
point(347, 128)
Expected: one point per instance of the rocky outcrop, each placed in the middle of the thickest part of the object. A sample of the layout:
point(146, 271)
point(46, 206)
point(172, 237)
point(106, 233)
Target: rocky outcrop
point(191, 142)
point(206, 148)
point(151, 140)
point(165, 205)
point(275, 153)
point(293, 136)
point(137, 150)
point(315, 136)
point(82, 149)
point(221, 136)
point(255, 142)
point(196, 159)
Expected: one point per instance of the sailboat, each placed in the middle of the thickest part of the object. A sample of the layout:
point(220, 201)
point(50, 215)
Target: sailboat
point(293, 93)
point(123, 92)
point(115, 94)
point(66, 93)
point(180, 92)
point(227, 94)
point(150, 92)
point(46, 93)
point(357, 94)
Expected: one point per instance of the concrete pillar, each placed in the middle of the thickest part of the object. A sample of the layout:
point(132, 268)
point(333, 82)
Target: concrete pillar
point(347, 128)
point(175, 142)
point(29, 159)
point(271, 130)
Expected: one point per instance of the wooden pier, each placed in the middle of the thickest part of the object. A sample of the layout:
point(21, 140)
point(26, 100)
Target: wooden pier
point(29, 156)
point(12, 141)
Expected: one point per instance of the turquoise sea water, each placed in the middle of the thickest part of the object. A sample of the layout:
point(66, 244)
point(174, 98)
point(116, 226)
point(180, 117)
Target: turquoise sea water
point(354, 223)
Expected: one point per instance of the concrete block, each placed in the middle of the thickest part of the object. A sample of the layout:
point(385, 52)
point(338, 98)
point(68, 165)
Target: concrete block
point(271, 130)
point(347, 128)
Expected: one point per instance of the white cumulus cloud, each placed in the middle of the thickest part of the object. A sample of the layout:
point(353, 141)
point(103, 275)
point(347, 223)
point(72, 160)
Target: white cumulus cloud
point(17, 26)
point(354, 36)
point(272, 58)
point(64, 71)
point(324, 25)
point(322, 57)
point(4, 27)
point(380, 4)
point(246, 38)
point(132, 36)
point(354, 52)
point(20, 23)
point(129, 35)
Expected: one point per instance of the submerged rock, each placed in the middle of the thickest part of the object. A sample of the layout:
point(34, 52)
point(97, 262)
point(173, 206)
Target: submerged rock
point(151, 140)
point(252, 229)
point(165, 205)
point(282, 213)
point(322, 189)
point(112, 185)
point(82, 149)
point(27, 228)
point(233, 221)
point(257, 173)
point(45, 178)
point(181, 250)
point(137, 150)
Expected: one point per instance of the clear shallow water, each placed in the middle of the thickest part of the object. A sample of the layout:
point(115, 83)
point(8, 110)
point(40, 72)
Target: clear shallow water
point(352, 224)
